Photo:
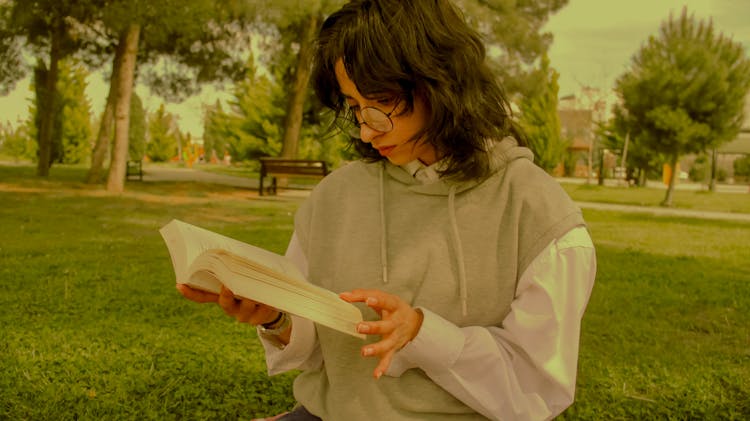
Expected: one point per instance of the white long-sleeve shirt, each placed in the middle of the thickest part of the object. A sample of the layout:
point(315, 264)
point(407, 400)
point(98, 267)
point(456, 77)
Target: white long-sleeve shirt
point(524, 370)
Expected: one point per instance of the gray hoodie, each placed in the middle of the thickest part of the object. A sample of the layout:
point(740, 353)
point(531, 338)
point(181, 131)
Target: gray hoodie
point(455, 248)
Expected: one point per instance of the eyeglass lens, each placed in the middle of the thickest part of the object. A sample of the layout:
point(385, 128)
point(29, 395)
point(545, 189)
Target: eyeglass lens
point(372, 117)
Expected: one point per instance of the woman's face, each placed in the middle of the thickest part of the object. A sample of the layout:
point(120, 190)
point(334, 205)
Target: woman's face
point(395, 144)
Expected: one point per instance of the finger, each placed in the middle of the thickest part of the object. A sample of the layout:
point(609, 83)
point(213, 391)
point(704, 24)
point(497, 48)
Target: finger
point(246, 311)
point(197, 295)
point(380, 301)
point(374, 298)
point(379, 349)
point(355, 296)
point(382, 327)
point(383, 364)
point(228, 302)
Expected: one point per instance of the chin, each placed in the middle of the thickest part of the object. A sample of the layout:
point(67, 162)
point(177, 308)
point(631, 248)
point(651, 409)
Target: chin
point(398, 160)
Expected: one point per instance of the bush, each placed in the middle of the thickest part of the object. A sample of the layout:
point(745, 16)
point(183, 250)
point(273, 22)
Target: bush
point(742, 166)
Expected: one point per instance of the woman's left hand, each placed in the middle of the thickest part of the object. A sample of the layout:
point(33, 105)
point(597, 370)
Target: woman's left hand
point(399, 324)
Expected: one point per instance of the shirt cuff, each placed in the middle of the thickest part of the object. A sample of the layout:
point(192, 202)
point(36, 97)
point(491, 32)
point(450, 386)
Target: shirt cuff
point(291, 356)
point(435, 349)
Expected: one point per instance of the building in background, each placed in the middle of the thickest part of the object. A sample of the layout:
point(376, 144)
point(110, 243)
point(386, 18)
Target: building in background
point(579, 115)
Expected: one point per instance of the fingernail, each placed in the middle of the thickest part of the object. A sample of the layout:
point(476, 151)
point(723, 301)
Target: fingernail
point(367, 352)
point(378, 374)
point(371, 301)
point(363, 328)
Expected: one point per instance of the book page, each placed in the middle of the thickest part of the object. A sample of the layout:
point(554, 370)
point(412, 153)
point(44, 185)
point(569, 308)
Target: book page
point(249, 280)
point(186, 242)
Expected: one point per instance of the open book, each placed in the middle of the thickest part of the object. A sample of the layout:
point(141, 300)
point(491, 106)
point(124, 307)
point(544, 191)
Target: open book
point(205, 260)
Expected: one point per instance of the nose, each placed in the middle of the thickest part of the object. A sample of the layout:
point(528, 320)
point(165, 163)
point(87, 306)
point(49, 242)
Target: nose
point(366, 133)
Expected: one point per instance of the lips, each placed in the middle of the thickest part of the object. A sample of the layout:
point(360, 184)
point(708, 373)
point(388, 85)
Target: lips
point(385, 150)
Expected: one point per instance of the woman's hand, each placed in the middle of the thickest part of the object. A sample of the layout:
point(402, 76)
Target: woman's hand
point(244, 310)
point(399, 324)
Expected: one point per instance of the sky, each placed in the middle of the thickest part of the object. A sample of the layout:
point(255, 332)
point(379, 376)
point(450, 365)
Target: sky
point(594, 41)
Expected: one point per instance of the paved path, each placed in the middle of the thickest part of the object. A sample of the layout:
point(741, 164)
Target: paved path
point(155, 173)
point(660, 211)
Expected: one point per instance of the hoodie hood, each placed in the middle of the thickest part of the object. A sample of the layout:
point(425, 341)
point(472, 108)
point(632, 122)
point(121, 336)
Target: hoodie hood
point(501, 154)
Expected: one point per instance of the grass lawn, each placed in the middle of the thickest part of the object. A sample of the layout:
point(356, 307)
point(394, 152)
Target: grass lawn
point(92, 327)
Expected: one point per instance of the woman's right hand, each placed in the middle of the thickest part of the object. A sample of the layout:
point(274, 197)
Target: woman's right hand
point(242, 309)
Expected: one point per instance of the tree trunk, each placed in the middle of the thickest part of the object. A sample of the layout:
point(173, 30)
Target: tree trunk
point(296, 102)
point(714, 162)
point(670, 188)
point(118, 162)
point(104, 138)
point(48, 108)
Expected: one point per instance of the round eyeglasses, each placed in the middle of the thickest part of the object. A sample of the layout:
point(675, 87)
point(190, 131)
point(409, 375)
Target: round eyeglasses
point(374, 118)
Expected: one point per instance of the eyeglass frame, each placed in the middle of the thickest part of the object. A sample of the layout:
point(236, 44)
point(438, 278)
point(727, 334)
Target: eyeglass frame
point(357, 125)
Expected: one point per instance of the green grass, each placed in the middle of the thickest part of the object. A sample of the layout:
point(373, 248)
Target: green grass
point(92, 327)
point(649, 196)
point(667, 331)
point(91, 324)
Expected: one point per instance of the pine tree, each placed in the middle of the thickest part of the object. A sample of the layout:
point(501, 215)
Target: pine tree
point(137, 132)
point(541, 123)
point(71, 132)
point(162, 140)
point(76, 135)
point(251, 128)
point(685, 90)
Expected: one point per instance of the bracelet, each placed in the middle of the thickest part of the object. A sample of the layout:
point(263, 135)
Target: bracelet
point(271, 324)
point(278, 326)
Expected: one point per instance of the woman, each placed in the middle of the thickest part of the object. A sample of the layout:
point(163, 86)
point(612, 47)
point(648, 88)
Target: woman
point(472, 266)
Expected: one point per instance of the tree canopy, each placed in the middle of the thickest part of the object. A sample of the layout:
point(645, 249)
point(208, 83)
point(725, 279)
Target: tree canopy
point(685, 89)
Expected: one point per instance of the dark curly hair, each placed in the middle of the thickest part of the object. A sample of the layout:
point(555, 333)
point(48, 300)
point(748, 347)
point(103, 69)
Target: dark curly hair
point(418, 48)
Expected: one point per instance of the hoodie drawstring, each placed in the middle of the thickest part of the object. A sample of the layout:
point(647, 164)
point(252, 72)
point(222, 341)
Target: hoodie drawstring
point(459, 250)
point(454, 233)
point(383, 239)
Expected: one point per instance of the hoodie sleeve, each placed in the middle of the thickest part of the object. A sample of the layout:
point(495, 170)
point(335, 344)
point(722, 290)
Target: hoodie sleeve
point(525, 369)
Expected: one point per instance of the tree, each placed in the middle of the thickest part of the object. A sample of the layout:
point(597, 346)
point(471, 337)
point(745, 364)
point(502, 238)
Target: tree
point(137, 131)
point(513, 33)
point(124, 90)
point(11, 62)
point(306, 31)
point(685, 90)
point(70, 133)
point(641, 162)
point(162, 136)
point(742, 167)
point(541, 123)
point(49, 28)
point(290, 27)
point(75, 129)
point(180, 45)
point(17, 142)
point(251, 128)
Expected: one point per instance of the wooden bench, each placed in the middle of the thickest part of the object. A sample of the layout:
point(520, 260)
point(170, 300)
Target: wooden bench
point(283, 167)
point(134, 169)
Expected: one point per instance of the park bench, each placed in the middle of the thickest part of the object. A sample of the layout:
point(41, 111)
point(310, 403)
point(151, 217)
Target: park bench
point(283, 167)
point(134, 169)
